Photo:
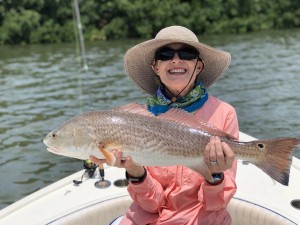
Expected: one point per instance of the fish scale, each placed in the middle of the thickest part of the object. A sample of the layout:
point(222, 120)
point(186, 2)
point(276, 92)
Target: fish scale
point(173, 138)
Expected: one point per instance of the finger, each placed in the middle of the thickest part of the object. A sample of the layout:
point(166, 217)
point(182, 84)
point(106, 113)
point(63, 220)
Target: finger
point(219, 152)
point(120, 161)
point(212, 151)
point(229, 155)
point(211, 160)
point(128, 162)
point(118, 155)
point(206, 154)
point(96, 160)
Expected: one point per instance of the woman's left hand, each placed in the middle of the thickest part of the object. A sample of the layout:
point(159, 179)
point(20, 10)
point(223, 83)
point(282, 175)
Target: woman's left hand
point(218, 155)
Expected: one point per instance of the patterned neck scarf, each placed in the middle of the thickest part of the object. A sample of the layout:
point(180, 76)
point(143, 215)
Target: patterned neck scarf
point(191, 102)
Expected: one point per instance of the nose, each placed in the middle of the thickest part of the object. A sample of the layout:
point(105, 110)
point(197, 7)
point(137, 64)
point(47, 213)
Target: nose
point(176, 58)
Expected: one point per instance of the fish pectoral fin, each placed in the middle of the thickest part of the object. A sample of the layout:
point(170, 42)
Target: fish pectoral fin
point(203, 170)
point(110, 158)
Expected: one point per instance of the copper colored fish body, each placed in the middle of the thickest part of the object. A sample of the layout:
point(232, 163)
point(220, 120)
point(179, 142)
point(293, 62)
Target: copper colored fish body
point(173, 138)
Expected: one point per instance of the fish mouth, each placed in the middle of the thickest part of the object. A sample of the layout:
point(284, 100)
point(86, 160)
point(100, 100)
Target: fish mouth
point(51, 149)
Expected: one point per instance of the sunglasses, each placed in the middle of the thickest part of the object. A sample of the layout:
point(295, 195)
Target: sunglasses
point(185, 53)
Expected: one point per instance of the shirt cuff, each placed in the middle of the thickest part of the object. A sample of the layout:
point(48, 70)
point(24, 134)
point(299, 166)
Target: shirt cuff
point(143, 187)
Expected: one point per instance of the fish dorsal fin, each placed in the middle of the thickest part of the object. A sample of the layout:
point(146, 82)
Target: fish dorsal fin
point(176, 115)
point(189, 119)
point(134, 108)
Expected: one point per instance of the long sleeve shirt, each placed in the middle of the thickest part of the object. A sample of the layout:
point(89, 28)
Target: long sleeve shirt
point(179, 195)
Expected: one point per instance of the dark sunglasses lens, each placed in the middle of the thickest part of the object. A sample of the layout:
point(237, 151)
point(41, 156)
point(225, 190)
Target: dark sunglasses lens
point(187, 54)
point(184, 54)
point(165, 54)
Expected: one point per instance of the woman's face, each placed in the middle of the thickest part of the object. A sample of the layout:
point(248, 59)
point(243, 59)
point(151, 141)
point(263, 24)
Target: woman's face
point(176, 73)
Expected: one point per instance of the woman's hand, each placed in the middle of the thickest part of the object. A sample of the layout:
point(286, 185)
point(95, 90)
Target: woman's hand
point(218, 155)
point(127, 163)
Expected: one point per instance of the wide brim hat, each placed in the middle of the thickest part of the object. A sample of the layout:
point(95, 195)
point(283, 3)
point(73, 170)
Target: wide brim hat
point(138, 59)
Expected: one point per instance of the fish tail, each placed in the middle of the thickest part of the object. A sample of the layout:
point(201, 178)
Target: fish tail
point(278, 159)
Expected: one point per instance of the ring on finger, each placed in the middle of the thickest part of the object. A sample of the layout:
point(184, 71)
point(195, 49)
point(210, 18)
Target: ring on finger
point(213, 162)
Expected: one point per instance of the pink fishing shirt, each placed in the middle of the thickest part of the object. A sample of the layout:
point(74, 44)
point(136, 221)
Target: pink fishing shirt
point(178, 195)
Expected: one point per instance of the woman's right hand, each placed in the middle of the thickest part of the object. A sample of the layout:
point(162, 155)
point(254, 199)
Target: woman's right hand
point(132, 169)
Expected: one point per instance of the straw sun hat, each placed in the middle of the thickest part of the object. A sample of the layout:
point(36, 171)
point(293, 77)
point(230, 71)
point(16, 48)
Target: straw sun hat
point(138, 59)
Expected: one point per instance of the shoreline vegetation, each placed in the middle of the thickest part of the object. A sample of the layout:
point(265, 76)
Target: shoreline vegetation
point(41, 21)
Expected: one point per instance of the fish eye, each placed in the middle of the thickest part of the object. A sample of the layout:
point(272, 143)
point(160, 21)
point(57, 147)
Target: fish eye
point(54, 135)
point(260, 145)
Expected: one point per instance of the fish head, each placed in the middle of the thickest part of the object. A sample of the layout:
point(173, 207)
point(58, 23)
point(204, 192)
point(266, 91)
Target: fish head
point(72, 139)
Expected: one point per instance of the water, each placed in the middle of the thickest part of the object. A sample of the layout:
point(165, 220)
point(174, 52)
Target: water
point(42, 86)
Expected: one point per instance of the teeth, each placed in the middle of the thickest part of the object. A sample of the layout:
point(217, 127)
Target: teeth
point(177, 71)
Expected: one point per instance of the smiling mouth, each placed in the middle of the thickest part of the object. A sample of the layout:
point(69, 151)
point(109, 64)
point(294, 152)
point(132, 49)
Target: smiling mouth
point(177, 71)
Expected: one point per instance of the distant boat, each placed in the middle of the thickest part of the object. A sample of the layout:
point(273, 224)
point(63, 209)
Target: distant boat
point(258, 201)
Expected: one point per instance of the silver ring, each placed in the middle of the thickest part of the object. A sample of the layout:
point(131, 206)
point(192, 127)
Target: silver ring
point(213, 162)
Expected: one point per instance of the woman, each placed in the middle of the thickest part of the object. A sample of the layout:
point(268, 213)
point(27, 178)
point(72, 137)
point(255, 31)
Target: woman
point(175, 69)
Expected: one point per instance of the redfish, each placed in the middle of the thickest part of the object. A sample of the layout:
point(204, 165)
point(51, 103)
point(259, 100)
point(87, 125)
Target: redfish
point(173, 138)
